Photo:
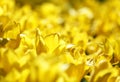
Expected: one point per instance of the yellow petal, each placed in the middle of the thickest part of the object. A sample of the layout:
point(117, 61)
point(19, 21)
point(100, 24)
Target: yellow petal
point(52, 42)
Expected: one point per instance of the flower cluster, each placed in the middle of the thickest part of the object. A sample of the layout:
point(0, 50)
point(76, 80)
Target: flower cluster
point(59, 41)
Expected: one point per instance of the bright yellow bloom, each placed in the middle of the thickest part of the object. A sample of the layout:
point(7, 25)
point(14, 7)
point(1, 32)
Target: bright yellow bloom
point(59, 41)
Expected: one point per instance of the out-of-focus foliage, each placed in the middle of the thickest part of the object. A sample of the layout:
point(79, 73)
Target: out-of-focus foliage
point(60, 41)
